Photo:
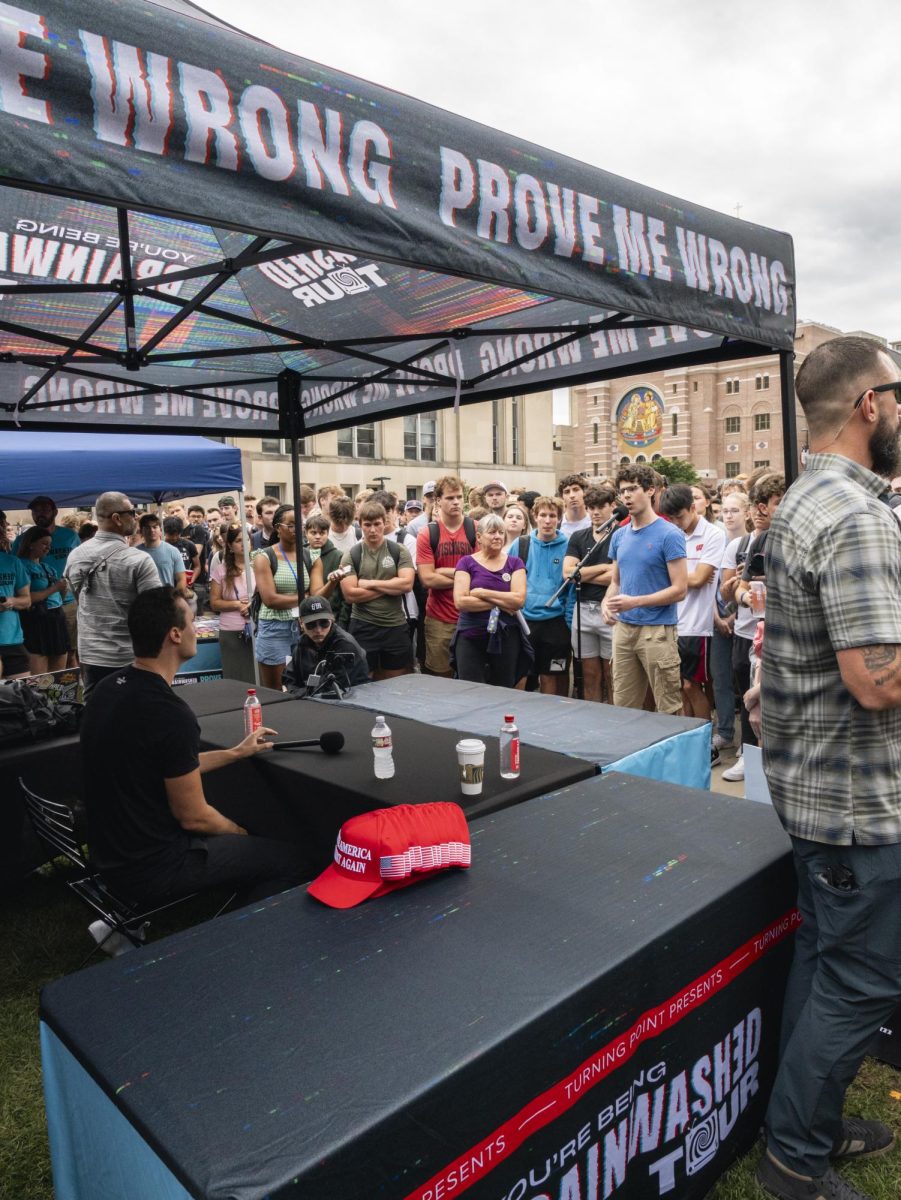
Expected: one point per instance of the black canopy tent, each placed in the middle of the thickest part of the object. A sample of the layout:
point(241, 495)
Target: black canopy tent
point(202, 233)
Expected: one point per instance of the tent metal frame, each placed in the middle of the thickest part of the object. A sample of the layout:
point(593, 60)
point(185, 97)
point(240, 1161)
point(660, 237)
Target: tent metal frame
point(84, 357)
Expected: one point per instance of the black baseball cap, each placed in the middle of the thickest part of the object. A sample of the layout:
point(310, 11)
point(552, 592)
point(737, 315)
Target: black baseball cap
point(315, 606)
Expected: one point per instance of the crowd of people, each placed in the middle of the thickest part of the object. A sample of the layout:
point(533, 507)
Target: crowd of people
point(628, 590)
point(657, 595)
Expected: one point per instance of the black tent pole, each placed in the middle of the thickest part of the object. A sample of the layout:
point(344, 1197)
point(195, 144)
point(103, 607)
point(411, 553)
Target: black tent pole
point(789, 421)
point(291, 427)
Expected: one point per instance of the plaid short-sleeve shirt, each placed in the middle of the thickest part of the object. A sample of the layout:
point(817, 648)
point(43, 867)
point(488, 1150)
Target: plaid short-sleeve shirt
point(833, 577)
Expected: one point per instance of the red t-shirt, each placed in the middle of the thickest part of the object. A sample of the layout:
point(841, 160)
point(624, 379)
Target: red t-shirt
point(451, 548)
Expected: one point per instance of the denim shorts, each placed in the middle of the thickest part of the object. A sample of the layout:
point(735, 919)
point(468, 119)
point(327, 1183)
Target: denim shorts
point(276, 641)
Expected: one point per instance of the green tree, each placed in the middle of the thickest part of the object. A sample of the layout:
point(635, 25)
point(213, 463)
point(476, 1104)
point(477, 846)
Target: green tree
point(676, 470)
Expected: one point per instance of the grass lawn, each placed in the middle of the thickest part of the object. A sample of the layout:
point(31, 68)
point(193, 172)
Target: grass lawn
point(46, 936)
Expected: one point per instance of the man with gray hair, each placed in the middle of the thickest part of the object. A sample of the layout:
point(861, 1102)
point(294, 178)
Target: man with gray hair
point(105, 575)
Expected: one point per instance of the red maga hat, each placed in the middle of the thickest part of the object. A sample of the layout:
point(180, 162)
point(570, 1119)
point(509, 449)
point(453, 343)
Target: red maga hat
point(390, 848)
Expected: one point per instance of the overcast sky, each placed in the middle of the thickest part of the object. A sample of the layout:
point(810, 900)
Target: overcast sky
point(789, 108)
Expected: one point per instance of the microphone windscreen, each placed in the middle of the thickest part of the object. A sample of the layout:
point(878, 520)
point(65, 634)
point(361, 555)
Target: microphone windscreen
point(332, 742)
point(620, 512)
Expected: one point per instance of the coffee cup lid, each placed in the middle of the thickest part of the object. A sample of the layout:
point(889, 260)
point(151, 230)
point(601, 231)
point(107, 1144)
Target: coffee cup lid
point(470, 746)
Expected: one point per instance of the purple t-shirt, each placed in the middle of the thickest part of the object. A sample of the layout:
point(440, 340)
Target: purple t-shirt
point(496, 581)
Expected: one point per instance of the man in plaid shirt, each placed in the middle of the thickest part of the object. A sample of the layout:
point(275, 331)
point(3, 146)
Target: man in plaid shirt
point(832, 753)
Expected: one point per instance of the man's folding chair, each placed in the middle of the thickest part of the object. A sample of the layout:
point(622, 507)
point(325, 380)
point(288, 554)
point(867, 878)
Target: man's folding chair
point(54, 824)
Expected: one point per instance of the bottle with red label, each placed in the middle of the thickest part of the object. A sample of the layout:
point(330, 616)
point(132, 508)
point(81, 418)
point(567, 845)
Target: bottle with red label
point(253, 712)
point(509, 743)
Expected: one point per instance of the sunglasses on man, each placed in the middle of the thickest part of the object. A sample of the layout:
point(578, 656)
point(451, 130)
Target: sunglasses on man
point(881, 387)
point(323, 624)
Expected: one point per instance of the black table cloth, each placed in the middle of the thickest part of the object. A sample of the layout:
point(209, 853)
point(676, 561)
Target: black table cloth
point(599, 993)
point(323, 790)
point(224, 695)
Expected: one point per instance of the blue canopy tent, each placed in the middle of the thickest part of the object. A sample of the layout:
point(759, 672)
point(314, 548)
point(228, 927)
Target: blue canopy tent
point(74, 468)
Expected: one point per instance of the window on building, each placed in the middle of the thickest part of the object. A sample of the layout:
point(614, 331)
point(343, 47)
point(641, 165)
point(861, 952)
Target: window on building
point(763, 462)
point(413, 493)
point(656, 457)
point(732, 387)
point(594, 470)
point(732, 469)
point(358, 442)
point(675, 424)
point(640, 458)
point(495, 431)
point(694, 385)
point(674, 388)
point(275, 490)
point(625, 460)
point(421, 437)
point(761, 382)
point(761, 421)
point(283, 446)
point(594, 433)
point(733, 424)
point(514, 427)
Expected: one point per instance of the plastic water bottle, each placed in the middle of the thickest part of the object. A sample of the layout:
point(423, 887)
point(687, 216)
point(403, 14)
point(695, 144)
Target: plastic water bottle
point(493, 619)
point(253, 712)
point(509, 743)
point(382, 750)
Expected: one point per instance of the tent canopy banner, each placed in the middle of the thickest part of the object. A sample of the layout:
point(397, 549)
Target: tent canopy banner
point(282, 216)
point(74, 468)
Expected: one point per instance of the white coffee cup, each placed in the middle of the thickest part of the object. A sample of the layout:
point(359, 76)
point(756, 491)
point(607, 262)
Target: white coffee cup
point(471, 759)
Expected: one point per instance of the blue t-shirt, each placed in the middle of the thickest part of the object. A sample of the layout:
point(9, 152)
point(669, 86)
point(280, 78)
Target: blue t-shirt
point(62, 542)
point(41, 575)
point(13, 577)
point(168, 561)
point(642, 556)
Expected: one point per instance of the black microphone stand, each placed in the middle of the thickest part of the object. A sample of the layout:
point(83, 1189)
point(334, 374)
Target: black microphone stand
point(576, 580)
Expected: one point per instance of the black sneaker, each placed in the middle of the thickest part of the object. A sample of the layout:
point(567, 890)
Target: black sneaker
point(714, 756)
point(863, 1139)
point(778, 1181)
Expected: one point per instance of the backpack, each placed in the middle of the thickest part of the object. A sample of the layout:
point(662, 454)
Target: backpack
point(356, 555)
point(256, 600)
point(469, 528)
point(28, 715)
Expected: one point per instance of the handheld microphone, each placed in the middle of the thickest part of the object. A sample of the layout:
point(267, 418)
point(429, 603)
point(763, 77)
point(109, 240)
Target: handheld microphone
point(329, 743)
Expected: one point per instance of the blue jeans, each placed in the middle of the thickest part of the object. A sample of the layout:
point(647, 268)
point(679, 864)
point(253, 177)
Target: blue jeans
point(844, 983)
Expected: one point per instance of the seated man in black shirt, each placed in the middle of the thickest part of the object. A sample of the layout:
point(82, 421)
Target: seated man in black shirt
point(151, 832)
point(325, 649)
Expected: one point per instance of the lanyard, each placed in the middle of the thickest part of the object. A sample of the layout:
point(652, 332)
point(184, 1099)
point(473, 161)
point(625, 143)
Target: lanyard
point(293, 572)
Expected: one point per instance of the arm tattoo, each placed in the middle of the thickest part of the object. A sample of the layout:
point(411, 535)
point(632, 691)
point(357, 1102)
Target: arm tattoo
point(877, 658)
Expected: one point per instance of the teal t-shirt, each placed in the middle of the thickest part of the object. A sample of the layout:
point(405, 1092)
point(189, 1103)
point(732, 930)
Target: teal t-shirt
point(13, 577)
point(41, 576)
point(62, 542)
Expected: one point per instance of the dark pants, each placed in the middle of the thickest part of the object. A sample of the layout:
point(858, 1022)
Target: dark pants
point(741, 669)
point(473, 662)
point(255, 867)
point(844, 983)
point(91, 676)
point(723, 685)
point(270, 859)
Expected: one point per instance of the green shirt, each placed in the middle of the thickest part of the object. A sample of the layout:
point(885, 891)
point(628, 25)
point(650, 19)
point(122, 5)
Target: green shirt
point(386, 610)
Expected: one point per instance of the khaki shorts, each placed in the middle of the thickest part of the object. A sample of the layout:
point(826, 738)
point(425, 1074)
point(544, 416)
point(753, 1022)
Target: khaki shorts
point(438, 636)
point(643, 656)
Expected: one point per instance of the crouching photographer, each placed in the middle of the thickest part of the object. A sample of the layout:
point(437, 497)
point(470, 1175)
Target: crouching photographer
point(327, 661)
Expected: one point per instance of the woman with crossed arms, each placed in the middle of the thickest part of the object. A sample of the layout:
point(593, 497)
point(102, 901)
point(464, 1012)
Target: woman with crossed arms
point(487, 580)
